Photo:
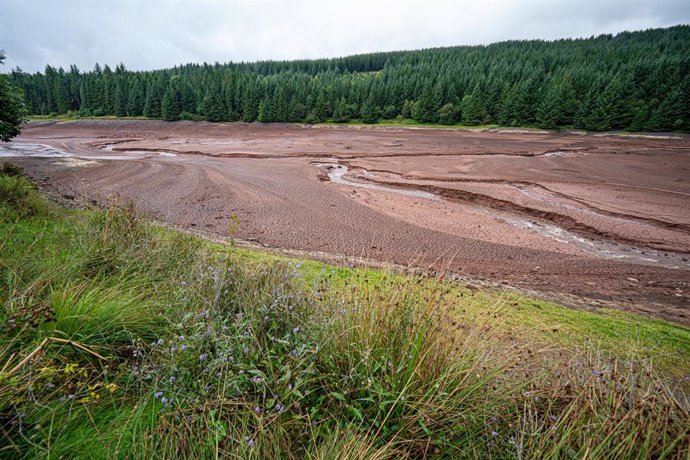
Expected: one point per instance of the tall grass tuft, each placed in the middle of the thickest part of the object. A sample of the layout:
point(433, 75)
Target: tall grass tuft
point(119, 339)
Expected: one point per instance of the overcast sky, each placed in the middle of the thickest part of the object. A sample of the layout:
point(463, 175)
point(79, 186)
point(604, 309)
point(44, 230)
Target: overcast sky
point(162, 33)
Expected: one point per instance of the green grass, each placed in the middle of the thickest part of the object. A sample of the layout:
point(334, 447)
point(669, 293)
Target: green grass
point(410, 123)
point(123, 339)
point(75, 117)
point(386, 123)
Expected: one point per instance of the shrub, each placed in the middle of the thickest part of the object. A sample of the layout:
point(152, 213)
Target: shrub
point(20, 195)
point(11, 169)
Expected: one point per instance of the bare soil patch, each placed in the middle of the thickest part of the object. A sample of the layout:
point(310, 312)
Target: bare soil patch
point(583, 219)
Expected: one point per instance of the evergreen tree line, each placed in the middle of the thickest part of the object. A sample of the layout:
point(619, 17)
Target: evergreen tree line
point(639, 81)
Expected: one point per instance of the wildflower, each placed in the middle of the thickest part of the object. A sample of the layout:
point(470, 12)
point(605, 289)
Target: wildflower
point(257, 409)
point(250, 442)
point(494, 434)
point(184, 283)
point(183, 348)
point(158, 394)
point(295, 330)
point(188, 418)
point(289, 386)
point(180, 337)
point(172, 379)
point(553, 418)
point(72, 396)
point(246, 350)
point(207, 388)
point(294, 352)
point(280, 408)
point(164, 400)
point(203, 356)
point(160, 342)
point(50, 386)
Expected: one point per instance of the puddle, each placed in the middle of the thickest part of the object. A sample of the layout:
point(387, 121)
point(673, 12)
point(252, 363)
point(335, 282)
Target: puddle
point(8, 150)
point(126, 154)
point(604, 249)
point(336, 173)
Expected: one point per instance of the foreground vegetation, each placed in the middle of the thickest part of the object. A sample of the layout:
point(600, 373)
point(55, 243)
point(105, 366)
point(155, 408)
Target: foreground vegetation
point(638, 81)
point(119, 338)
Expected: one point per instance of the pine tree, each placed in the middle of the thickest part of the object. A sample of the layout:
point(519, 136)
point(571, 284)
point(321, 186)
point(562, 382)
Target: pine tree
point(172, 105)
point(340, 114)
point(549, 111)
point(135, 103)
point(426, 108)
point(370, 113)
point(473, 111)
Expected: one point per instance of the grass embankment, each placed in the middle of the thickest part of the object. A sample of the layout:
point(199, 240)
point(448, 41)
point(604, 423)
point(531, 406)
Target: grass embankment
point(407, 122)
point(122, 339)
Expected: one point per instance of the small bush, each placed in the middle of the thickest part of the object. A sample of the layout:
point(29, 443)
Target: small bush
point(20, 195)
point(11, 169)
point(191, 116)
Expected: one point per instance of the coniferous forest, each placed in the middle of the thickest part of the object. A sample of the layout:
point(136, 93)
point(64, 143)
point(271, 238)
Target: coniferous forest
point(637, 81)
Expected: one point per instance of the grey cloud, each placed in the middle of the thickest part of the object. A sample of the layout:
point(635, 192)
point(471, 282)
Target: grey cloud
point(157, 34)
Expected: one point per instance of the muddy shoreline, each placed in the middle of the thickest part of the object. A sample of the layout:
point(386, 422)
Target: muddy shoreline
point(498, 208)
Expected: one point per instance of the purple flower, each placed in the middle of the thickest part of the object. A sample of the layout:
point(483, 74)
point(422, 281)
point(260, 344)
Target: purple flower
point(183, 347)
point(257, 409)
point(494, 434)
point(164, 400)
point(158, 394)
point(553, 418)
point(184, 283)
point(203, 356)
point(246, 350)
point(180, 337)
point(294, 352)
point(160, 342)
point(172, 379)
point(250, 442)
point(295, 330)
point(289, 386)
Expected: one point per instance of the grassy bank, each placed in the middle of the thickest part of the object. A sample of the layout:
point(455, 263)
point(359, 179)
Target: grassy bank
point(123, 339)
point(408, 122)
